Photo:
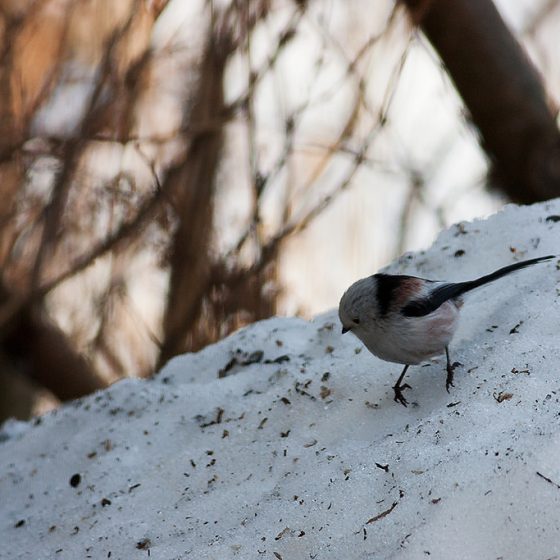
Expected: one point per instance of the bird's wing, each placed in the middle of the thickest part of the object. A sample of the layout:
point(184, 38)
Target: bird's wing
point(434, 299)
point(440, 294)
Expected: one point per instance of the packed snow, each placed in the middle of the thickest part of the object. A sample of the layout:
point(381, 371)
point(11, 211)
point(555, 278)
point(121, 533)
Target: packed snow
point(283, 441)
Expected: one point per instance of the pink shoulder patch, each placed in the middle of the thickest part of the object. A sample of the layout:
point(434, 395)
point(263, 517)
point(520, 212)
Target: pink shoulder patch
point(407, 291)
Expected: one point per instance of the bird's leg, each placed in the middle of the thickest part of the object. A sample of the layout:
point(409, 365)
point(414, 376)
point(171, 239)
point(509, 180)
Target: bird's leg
point(450, 370)
point(397, 387)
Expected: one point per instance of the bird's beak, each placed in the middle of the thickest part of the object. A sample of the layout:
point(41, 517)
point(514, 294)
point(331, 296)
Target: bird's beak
point(345, 330)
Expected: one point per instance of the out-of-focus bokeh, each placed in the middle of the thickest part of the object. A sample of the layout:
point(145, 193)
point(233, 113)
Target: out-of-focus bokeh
point(173, 170)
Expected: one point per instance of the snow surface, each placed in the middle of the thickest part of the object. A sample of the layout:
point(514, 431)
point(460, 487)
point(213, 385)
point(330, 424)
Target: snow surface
point(298, 450)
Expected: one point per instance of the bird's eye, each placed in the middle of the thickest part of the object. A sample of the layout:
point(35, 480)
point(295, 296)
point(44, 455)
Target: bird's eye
point(356, 321)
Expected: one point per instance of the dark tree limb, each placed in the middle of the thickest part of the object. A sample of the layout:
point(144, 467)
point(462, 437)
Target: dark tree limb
point(192, 185)
point(44, 352)
point(50, 358)
point(502, 91)
point(197, 299)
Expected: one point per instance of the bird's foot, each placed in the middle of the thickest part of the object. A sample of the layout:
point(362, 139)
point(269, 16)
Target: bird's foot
point(450, 372)
point(399, 397)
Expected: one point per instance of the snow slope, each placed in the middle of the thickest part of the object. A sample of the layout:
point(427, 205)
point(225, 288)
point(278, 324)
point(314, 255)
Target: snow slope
point(283, 441)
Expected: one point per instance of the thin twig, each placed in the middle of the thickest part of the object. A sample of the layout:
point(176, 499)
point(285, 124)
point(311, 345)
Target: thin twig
point(382, 514)
point(548, 480)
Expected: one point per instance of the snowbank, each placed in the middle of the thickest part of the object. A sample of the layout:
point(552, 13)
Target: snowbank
point(283, 441)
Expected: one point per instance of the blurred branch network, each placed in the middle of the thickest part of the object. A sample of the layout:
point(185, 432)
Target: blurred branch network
point(173, 170)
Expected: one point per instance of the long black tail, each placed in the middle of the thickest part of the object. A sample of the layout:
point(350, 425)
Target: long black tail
point(445, 292)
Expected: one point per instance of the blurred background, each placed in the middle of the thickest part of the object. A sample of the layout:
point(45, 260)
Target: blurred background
point(171, 170)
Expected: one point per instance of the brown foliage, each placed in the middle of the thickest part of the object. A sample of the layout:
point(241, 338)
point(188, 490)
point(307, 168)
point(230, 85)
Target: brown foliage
point(114, 137)
point(56, 196)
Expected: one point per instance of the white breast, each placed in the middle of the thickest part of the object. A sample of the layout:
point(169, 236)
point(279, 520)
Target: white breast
point(411, 340)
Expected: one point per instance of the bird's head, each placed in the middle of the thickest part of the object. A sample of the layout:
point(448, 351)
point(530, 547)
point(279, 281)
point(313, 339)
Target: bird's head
point(358, 300)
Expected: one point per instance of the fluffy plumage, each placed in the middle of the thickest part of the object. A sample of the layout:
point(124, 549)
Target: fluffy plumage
point(406, 319)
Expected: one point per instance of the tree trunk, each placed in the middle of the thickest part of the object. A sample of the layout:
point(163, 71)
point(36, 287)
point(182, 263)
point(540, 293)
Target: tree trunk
point(502, 91)
point(43, 352)
point(192, 185)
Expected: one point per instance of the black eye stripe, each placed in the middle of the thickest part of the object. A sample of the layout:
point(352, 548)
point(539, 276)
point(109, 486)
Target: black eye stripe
point(356, 321)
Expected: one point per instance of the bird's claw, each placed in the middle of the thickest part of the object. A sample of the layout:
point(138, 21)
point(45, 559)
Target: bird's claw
point(399, 397)
point(450, 371)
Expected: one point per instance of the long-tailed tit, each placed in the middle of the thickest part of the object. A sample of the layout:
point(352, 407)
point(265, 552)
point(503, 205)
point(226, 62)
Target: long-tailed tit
point(406, 320)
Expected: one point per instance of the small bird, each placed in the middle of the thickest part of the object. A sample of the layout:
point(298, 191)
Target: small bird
point(406, 320)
